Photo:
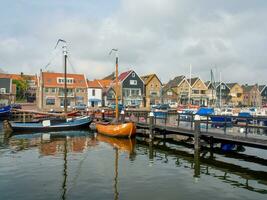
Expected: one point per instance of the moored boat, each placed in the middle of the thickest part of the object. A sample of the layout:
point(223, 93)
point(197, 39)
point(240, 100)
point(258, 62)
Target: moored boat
point(117, 129)
point(127, 129)
point(51, 125)
point(5, 111)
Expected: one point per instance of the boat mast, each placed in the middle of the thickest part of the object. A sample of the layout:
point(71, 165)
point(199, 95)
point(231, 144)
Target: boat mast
point(65, 78)
point(220, 90)
point(117, 84)
point(189, 88)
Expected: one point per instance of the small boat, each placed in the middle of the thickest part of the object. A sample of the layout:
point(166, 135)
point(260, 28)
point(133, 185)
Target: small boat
point(221, 121)
point(51, 125)
point(5, 111)
point(127, 129)
point(117, 129)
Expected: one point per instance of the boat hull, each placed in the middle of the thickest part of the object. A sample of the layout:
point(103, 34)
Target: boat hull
point(117, 130)
point(31, 127)
point(5, 111)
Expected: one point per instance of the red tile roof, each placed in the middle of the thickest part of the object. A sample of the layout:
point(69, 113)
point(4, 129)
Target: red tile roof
point(94, 84)
point(105, 83)
point(123, 75)
point(18, 76)
point(51, 80)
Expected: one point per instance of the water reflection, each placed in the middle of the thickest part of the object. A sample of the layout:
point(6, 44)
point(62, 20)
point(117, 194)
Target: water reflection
point(199, 163)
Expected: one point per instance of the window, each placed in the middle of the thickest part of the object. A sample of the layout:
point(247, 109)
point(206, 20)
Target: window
point(135, 92)
point(169, 93)
point(133, 82)
point(46, 90)
point(3, 90)
point(69, 80)
point(133, 74)
point(93, 92)
point(62, 102)
point(50, 101)
point(53, 90)
point(223, 87)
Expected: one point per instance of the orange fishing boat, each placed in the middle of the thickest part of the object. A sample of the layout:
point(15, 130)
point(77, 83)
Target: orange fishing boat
point(127, 129)
point(117, 129)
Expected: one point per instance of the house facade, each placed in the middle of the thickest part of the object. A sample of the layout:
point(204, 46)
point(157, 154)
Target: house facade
point(50, 92)
point(31, 81)
point(153, 87)
point(131, 90)
point(263, 91)
point(169, 95)
point(222, 94)
point(252, 95)
point(236, 95)
point(94, 94)
point(211, 93)
point(198, 92)
point(7, 91)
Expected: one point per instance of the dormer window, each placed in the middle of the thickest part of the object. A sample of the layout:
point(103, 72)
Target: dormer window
point(69, 80)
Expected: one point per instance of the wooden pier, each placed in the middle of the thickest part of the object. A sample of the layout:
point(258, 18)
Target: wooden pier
point(200, 128)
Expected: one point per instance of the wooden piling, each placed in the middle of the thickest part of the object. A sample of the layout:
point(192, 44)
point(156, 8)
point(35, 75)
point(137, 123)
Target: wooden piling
point(197, 133)
point(151, 125)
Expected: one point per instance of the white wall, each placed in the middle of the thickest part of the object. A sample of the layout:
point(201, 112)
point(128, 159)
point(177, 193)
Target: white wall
point(98, 95)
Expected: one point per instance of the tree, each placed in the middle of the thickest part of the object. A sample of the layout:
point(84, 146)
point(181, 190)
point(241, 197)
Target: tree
point(22, 86)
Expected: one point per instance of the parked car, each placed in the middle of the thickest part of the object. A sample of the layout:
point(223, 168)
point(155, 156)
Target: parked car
point(16, 106)
point(162, 107)
point(80, 106)
point(173, 105)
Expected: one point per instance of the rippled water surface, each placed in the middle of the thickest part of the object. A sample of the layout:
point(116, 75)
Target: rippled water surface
point(83, 165)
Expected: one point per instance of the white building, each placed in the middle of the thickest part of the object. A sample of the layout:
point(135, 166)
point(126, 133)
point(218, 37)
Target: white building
point(94, 93)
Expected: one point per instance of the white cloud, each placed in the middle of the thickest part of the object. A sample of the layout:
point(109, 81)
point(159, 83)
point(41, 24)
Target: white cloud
point(153, 36)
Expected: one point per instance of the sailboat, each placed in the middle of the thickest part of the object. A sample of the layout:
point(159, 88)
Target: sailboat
point(117, 129)
point(54, 124)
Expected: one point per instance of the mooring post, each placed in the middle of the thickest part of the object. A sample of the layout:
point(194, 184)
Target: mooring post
point(197, 132)
point(103, 114)
point(24, 117)
point(211, 146)
point(151, 124)
point(178, 119)
point(122, 116)
point(207, 123)
point(196, 165)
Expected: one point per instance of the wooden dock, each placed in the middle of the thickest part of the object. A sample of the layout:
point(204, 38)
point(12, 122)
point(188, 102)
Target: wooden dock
point(167, 123)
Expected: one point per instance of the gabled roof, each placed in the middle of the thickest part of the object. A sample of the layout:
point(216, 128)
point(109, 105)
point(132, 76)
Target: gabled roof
point(193, 81)
point(148, 78)
point(176, 81)
point(18, 76)
point(105, 83)
point(124, 75)
point(50, 79)
point(262, 87)
point(93, 84)
point(110, 76)
point(231, 85)
point(217, 84)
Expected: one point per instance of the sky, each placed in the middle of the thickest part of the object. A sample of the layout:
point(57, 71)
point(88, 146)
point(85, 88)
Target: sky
point(153, 36)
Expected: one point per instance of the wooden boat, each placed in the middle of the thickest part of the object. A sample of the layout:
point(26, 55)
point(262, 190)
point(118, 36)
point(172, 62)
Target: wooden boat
point(51, 125)
point(118, 129)
point(127, 129)
point(5, 111)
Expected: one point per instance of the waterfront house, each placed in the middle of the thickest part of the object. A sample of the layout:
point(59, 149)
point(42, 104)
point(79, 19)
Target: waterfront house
point(198, 92)
point(211, 93)
point(50, 92)
point(153, 87)
point(222, 93)
point(31, 84)
point(94, 93)
point(263, 91)
point(235, 94)
point(131, 89)
point(252, 95)
point(7, 91)
point(169, 94)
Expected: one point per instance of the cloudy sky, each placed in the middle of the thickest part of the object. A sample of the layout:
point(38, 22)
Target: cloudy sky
point(153, 36)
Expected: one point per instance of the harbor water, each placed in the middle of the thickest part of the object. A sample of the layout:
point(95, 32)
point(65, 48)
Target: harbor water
point(84, 165)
